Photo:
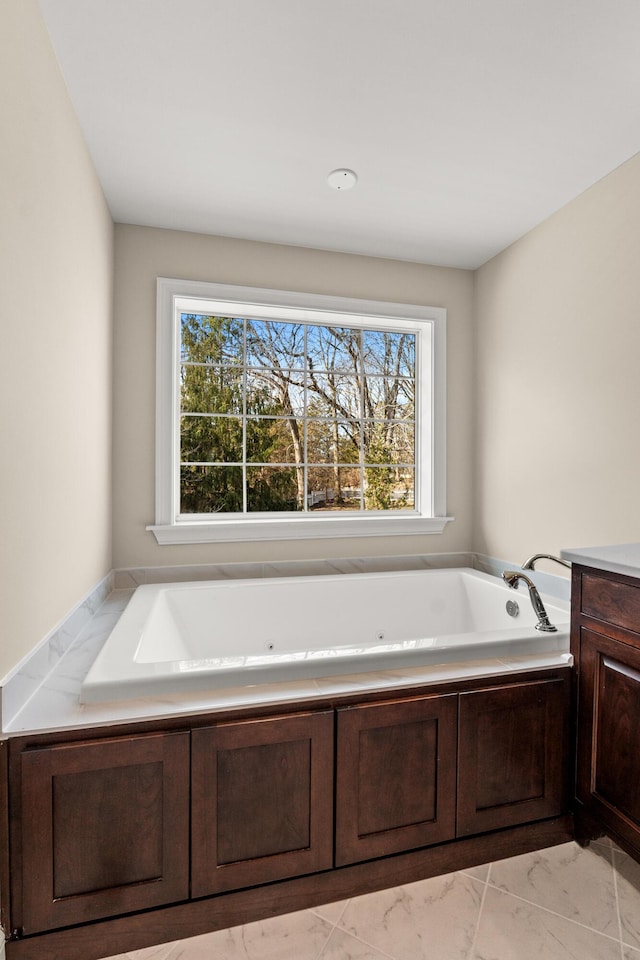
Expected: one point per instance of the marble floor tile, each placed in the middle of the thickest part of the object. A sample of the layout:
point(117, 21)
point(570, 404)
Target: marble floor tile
point(602, 842)
point(431, 920)
point(561, 903)
point(299, 936)
point(513, 929)
point(160, 952)
point(628, 884)
point(344, 946)
point(480, 873)
point(331, 911)
point(575, 882)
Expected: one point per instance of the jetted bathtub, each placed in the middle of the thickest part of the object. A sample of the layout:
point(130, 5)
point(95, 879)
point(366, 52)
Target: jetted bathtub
point(228, 633)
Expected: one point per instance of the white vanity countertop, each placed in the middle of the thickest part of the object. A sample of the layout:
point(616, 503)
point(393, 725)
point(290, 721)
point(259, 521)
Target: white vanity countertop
point(621, 558)
point(55, 706)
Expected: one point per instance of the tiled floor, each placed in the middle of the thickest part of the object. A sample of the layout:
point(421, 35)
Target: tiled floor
point(554, 904)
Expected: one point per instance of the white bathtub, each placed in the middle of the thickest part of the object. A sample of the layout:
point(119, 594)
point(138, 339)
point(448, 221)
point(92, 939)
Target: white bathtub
point(212, 634)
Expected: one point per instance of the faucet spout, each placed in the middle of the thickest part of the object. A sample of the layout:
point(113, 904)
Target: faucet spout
point(530, 563)
point(512, 578)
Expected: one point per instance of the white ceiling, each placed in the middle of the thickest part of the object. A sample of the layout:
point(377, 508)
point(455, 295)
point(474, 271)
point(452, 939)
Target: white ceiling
point(468, 122)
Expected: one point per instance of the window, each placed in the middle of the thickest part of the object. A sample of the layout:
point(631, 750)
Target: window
point(282, 415)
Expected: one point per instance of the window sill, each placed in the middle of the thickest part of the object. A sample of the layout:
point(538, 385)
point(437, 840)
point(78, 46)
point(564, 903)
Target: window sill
point(226, 531)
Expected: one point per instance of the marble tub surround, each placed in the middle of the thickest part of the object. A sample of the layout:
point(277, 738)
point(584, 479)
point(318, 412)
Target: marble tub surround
point(29, 675)
point(45, 697)
point(35, 670)
point(56, 704)
point(138, 576)
point(562, 903)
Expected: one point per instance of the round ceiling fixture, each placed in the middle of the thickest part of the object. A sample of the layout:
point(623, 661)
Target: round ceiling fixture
point(342, 179)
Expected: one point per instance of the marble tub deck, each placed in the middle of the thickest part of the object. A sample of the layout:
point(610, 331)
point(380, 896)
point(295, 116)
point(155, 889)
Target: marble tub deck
point(563, 903)
point(42, 693)
point(55, 705)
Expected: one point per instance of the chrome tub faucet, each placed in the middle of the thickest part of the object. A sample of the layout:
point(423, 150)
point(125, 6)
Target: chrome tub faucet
point(513, 578)
point(530, 563)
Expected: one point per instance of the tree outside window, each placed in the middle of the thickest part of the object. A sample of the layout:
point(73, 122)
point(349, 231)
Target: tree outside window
point(292, 417)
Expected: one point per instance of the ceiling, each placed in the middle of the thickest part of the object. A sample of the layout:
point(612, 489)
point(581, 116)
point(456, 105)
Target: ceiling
point(467, 122)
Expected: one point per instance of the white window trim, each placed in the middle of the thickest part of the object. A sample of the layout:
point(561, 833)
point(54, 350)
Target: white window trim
point(169, 528)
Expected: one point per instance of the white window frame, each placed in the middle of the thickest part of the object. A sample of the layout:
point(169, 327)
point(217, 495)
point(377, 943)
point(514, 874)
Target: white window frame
point(176, 296)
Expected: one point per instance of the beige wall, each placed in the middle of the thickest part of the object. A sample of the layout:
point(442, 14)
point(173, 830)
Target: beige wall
point(543, 385)
point(558, 379)
point(56, 252)
point(143, 254)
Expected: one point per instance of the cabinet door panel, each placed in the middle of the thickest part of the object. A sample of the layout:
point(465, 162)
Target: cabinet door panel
point(616, 767)
point(262, 804)
point(271, 777)
point(105, 828)
point(395, 785)
point(609, 733)
point(512, 755)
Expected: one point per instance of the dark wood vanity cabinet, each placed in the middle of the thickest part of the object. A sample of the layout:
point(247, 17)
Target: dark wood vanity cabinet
point(606, 646)
point(124, 838)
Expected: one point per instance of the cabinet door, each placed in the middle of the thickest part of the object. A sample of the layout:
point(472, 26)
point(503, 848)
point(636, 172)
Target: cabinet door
point(608, 782)
point(395, 777)
point(104, 828)
point(262, 803)
point(513, 755)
